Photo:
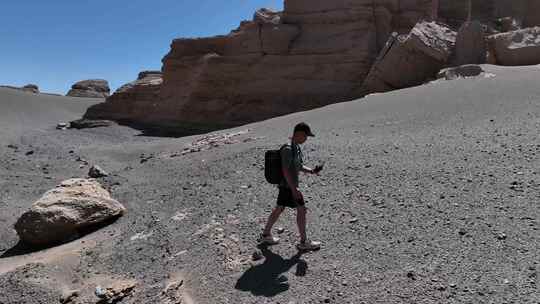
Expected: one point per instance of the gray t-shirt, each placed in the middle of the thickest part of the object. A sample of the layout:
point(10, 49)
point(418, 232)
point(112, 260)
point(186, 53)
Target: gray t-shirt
point(293, 163)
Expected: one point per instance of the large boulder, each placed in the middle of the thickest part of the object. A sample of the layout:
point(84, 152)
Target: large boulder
point(409, 60)
point(521, 47)
point(63, 212)
point(92, 88)
point(471, 44)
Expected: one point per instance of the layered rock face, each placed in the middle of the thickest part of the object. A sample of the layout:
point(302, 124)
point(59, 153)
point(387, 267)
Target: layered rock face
point(520, 47)
point(408, 60)
point(471, 44)
point(132, 102)
point(313, 53)
point(92, 88)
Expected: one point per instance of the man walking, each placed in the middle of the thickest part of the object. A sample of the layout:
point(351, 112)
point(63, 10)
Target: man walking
point(289, 193)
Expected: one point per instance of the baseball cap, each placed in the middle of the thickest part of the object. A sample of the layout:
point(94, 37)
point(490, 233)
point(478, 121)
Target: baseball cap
point(304, 127)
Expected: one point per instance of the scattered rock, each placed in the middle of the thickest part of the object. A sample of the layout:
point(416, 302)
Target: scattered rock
point(89, 123)
point(14, 147)
point(411, 275)
point(521, 47)
point(62, 126)
point(171, 294)
point(93, 88)
point(69, 296)
point(508, 24)
point(62, 212)
point(29, 153)
point(97, 172)
point(464, 71)
point(116, 292)
point(471, 44)
point(82, 160)
point(353, 220)
point(280, 230)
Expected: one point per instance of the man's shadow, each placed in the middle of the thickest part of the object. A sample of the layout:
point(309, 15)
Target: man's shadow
point(267, 279)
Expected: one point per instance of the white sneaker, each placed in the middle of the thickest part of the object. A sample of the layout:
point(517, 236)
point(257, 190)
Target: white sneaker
point(268, 240)
point(309, 245)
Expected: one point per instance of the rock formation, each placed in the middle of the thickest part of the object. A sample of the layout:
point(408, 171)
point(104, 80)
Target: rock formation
point(93, 88)
point(31, 88)
point(521, 47)
point(410, 60)
point(313, 53)
point(132, 101)
point(62, 212)
point(471, 44)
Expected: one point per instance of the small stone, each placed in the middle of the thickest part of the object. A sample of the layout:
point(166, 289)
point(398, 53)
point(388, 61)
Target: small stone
point(100, 292)
point(280, 230)
point(14, 147)
point(68, 296)
point(462, 231)
point(353, 220)
point(501, 236)
point(96, 172)
point(440, 287)
point(29, 152)
point(62, 126)
point(411, 275)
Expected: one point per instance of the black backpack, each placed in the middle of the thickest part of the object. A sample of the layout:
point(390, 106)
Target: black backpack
point(272, 166)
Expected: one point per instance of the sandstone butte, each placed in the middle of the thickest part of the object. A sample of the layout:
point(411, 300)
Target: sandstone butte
point(313, 53)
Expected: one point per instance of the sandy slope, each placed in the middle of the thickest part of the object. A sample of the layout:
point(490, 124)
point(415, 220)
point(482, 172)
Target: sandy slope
point(430, 196)
point(21, 112)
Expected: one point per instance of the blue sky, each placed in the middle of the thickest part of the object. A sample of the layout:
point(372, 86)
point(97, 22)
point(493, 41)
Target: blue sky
point(54, 43)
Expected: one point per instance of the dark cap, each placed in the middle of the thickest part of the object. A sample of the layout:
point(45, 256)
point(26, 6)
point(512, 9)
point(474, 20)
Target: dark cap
point(305, 128)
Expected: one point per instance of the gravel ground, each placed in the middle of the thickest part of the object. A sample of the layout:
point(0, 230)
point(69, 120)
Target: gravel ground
point(429, 195)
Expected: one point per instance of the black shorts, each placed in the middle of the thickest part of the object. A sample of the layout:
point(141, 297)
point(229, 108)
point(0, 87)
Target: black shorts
point(286, 199)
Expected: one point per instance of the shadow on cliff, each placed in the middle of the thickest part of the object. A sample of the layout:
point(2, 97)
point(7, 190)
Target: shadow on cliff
point(267, 279)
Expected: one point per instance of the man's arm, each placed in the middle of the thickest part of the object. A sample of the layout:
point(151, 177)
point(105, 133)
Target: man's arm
point(288, 178)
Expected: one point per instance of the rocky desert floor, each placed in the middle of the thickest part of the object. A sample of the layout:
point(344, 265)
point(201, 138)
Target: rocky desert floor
point(429, 195)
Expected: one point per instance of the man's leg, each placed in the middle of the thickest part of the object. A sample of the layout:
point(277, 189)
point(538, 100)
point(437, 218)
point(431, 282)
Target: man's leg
point(301, 222)
point(304, 244)
point(272, 219)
